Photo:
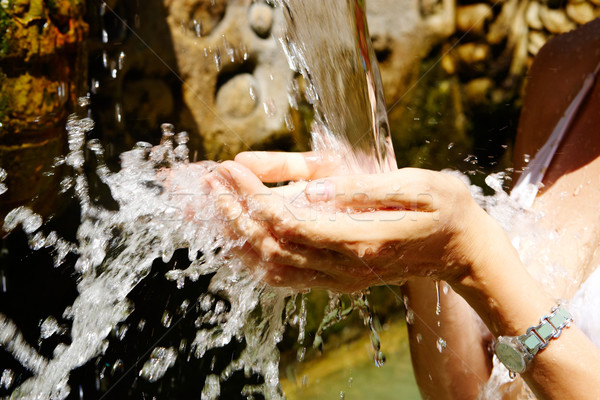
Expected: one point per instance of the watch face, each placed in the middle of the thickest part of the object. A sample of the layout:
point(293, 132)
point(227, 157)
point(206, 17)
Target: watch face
point(509, 356)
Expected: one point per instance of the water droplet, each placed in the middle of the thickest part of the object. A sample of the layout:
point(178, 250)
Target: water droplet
point(168, 131)
point(117, 368)
point(118, 113)
point(304, 381)
point(270, 107)
point(121, 60)
point(212, 388)
point(84, 101)
point(32, 223)
point(95, 85)
point(450, 145)
point(160, 361)
point(526, 158)
point(289, 122)
point(440, 344)
point(220, 307)
point(183, 307)
point(62, 92)
point(7, 379)
point(198, 28)
point(182, 138)
point(301, 353)
point(379, 359)
point(166, 319)
point(141, 325)
point(410, 316)
point(438, 306)
point(49, 327)
point(66, 184)
point(206, 302)
point(104, 36)
point(3, 281)
point(122, 331)
point(419, 338)
point(183, 345)
point(217, 58)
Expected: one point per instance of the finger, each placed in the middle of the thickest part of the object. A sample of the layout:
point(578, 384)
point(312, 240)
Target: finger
point(278, 166)
point(263, 213)
point(406, 189)
point(328, 237)
point(270, 249)
point(241, 179)
point(354, 235)
point(283, 275)
point(298, 278)
point(282, 166)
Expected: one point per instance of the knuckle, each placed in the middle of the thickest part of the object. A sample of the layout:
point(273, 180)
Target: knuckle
point(270, 250)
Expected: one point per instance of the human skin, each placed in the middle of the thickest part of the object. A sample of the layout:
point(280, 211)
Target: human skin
point(349, 232)
point(463, 246)
point(568, 201)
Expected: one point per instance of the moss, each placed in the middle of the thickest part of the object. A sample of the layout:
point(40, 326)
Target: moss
point(3, 100)
point(5, 25)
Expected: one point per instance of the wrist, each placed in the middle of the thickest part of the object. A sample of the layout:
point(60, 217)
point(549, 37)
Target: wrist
point(498, 287)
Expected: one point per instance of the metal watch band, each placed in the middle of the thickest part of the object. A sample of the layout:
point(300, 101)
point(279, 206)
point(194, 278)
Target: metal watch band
point(537, 337)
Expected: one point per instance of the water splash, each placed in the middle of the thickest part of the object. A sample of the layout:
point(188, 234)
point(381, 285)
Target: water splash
point(3, 175)
point(115, 251)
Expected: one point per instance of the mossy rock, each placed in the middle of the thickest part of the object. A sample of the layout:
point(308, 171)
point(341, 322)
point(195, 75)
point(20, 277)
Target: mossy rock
point(40, 72)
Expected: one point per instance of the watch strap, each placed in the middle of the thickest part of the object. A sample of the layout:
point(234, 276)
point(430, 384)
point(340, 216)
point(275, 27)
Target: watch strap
point(537, 337)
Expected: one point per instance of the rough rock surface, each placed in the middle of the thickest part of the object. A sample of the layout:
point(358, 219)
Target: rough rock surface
point(228, 79)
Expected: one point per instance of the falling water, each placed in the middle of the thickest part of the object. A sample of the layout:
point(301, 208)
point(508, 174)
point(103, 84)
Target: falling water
point(163, 205)
point(115, 251)
point(343, 82)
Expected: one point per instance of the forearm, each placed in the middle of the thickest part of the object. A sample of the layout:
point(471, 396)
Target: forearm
point(509, 301)
point(463, 366)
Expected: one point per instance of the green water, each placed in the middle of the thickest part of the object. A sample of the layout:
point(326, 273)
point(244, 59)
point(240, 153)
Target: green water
point(350, 370)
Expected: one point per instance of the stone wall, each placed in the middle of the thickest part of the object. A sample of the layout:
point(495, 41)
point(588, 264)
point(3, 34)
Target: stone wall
point(215, 69)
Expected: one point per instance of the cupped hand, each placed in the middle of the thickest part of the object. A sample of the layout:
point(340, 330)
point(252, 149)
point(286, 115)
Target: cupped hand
point(349, 232)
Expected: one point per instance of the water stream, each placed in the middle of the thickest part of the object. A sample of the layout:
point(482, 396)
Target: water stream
point(329, 44)
point(156, 212)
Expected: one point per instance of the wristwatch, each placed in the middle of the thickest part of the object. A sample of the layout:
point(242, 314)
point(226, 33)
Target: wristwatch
point(517, 352)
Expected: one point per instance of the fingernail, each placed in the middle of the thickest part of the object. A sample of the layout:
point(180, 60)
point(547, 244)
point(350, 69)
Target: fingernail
point(321, 190)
